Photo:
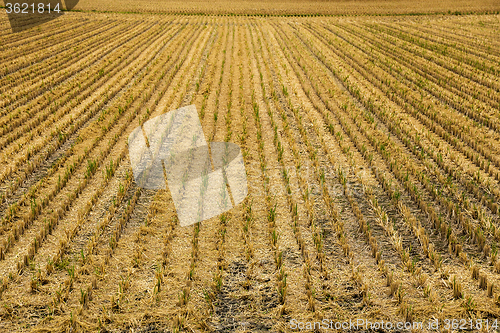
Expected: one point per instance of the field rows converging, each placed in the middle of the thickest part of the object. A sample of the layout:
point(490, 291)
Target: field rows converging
point(372, 155)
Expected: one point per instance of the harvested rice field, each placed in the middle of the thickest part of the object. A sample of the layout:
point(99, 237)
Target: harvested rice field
point(371, 146)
